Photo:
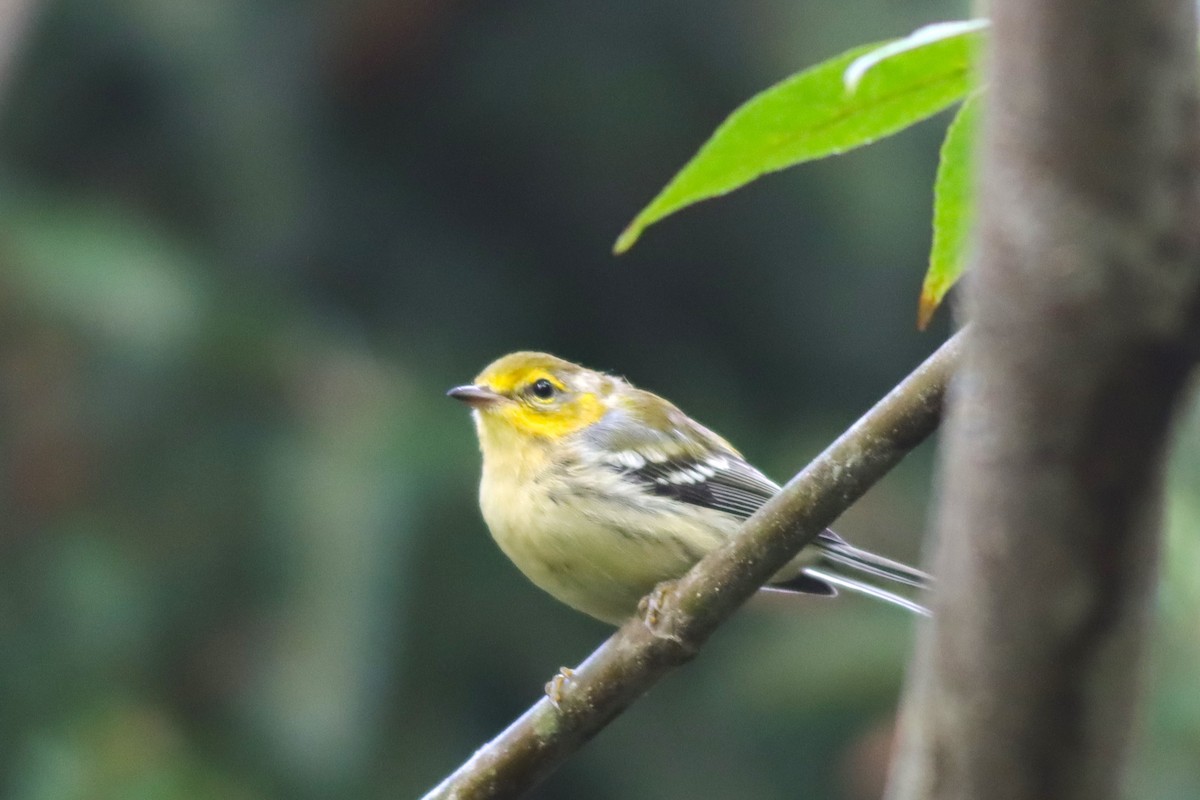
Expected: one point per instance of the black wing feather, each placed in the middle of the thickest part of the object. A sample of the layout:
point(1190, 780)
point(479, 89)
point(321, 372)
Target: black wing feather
point(655, 443)
point(723, 483)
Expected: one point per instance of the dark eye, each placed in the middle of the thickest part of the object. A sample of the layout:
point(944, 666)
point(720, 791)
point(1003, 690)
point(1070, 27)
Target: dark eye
point(543, 389)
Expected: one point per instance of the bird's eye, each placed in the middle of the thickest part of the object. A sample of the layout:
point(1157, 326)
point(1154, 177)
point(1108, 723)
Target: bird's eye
point(543, 389)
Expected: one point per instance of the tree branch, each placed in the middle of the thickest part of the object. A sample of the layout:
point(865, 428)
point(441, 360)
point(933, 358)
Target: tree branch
point(1083, 308)
point(686, 612)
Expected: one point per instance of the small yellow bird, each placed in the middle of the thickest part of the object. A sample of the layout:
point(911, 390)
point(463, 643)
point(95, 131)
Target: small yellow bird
point(598, 491)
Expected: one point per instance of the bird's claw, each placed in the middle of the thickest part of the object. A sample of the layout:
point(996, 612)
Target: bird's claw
point(555, 686)
point(652, 606)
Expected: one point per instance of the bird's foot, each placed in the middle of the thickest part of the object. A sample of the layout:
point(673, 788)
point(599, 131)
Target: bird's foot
point(555, 686)
point(652, 607)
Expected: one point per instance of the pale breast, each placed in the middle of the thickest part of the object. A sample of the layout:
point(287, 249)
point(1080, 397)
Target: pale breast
point(594, 541)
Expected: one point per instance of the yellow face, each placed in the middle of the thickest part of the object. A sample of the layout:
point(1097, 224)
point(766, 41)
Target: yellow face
point(536, 394)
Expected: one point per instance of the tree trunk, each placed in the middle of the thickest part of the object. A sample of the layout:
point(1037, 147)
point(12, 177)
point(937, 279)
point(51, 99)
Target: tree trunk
point(1084, 304)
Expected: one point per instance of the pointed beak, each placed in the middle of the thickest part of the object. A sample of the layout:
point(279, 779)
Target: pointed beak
point(475, 396)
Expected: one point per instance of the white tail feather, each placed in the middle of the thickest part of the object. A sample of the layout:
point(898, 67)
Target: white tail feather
point(865, 588)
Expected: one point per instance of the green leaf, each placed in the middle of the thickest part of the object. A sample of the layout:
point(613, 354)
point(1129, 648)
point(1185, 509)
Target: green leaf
point(953, 210)
point(918, 38)
point(813, 114)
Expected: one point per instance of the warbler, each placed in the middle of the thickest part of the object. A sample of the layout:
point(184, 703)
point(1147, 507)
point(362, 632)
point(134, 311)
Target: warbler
point(598, 491)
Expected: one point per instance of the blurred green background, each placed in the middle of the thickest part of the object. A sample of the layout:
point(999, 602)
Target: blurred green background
point(245, 248)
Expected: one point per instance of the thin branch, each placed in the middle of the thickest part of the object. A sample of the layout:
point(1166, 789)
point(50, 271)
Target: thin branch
point(687, 612)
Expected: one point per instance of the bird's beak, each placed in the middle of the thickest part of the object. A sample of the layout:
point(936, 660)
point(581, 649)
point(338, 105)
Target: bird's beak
point(475, 396)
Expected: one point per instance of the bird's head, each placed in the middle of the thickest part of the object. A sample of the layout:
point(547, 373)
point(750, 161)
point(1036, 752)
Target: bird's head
point(536, 395)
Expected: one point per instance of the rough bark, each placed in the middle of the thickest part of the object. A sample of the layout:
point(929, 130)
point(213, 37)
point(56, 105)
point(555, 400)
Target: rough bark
point(1083, 304)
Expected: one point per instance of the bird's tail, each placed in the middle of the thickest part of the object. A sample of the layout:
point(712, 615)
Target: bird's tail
point(846, 567)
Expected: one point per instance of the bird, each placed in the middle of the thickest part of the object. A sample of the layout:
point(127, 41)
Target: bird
point(598, 491)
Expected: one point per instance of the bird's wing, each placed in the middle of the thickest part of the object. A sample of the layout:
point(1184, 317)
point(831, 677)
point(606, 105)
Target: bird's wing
point(670, 455)
point(659, 446)
point(721, 482)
